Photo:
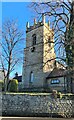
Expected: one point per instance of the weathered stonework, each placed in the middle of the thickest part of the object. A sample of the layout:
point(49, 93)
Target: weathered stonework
point(38, 61)
point(0, 104)
point(35, 105)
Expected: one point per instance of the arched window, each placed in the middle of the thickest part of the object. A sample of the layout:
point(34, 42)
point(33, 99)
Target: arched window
point(31, 77)
point(34, 39)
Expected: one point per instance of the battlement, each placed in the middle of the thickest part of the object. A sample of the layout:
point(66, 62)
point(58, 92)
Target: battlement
point(36, 24)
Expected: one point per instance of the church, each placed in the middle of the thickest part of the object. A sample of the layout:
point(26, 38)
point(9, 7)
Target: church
point(39, 56)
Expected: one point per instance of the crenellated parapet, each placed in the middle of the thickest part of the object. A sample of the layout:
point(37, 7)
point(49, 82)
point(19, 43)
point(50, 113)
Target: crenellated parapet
point(36, 24)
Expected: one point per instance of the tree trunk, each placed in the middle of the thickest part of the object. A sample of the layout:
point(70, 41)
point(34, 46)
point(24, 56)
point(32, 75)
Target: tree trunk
point(70, 76)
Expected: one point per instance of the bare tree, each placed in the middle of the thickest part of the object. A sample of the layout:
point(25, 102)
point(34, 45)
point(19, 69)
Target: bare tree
point(60, 14)
point(12, 48)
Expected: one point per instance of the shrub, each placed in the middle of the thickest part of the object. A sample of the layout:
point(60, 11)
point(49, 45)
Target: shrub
point(1, 85)
point(59, 95)
point(13, 85)
point(54, 94)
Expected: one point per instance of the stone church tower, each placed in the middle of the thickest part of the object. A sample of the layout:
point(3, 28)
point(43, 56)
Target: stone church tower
point(38, 54)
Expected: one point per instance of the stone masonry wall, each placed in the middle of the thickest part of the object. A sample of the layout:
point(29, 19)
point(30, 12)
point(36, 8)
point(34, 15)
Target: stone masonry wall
point(35, 105)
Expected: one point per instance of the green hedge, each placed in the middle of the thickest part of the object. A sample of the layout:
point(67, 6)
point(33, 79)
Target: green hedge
point(1, 85)
point(13, 86)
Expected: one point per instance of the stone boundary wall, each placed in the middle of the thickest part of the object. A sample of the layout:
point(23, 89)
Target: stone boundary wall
point(35, 105)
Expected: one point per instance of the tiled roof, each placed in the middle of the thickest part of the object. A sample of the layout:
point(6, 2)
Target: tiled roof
point(57, 73)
